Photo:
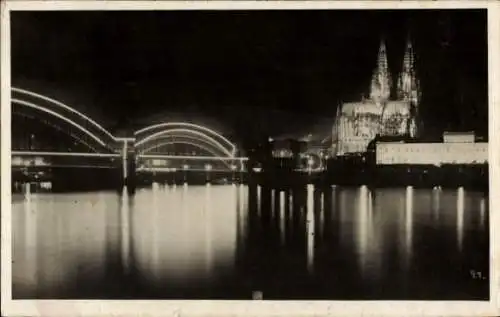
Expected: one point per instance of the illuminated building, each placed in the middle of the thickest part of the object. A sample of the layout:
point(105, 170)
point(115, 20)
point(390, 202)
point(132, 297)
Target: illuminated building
point(358, 123)
point(456, 148)
point(409, 88)
point(381, 79)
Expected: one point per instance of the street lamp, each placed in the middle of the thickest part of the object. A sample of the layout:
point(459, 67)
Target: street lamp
point(31, 142)
point(185, 167)
point(208, 168)
point(310, 163)
point(233, 169)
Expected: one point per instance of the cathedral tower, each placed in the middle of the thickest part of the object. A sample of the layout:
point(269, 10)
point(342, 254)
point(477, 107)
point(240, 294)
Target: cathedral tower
point(408, 87)
point(380, 89)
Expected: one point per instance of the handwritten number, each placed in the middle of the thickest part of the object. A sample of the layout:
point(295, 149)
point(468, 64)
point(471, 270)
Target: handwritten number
point(477, 275)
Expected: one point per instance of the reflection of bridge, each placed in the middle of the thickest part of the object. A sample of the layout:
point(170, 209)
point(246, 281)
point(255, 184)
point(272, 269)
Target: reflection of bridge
point(155, 149)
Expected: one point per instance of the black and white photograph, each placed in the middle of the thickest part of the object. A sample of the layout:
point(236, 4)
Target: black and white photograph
point(249, 154)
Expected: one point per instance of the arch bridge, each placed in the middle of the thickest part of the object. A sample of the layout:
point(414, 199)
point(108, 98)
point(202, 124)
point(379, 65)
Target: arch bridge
point(182, 145)
point(157, 148)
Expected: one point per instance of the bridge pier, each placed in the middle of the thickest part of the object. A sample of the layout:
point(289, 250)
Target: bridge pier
point(27, 190)
point(128, 165)
point(128, 172)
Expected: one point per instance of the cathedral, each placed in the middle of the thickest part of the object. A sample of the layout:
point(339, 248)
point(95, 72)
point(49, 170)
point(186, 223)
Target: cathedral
point(358, 123)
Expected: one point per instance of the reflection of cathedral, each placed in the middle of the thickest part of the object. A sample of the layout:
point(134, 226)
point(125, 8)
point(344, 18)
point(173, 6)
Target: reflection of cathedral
point(357, 123)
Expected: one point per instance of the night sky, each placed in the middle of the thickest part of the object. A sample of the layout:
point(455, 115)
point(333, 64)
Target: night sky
point(254, 72)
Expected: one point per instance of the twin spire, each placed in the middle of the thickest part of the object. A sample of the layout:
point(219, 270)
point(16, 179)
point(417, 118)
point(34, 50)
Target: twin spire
point(407, 83)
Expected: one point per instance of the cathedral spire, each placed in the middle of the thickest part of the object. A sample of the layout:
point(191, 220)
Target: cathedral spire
point(380, 89)
point(408, 86)
point(407, 82)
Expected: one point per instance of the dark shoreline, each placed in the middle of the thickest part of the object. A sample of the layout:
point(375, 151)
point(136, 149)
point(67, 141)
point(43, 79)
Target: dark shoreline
point(470, 177)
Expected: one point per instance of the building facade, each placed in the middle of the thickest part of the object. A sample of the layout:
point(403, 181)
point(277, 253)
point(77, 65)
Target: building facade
point(459, 137)
point(358, 123)
point(456, 148)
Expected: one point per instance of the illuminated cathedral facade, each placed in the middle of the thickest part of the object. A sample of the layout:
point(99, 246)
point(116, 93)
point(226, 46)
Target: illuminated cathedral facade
point(358, 123)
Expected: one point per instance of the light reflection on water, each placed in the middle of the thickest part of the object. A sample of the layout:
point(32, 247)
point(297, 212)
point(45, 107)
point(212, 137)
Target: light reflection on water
point(54, 242)
point(168, 236)
point(125, 229)
point(460, 216)
point(482, 210)
point(282, 227)
point(188, 232)
point(310, 226)
point(409, 223)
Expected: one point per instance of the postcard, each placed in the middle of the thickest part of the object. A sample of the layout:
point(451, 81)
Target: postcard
point(250, 158)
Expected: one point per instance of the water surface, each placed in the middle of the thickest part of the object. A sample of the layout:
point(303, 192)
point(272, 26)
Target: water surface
point(227, 242)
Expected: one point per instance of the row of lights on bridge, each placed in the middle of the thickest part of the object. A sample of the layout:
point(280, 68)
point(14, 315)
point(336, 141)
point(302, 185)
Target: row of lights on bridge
point(208, 167)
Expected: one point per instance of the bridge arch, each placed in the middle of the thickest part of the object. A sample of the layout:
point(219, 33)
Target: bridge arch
point(169, 140)
point(185, 142)
point(198, 133)
point(31, 104)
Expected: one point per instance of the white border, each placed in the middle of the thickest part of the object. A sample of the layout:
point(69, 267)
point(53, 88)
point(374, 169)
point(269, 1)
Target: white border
point(236, 308)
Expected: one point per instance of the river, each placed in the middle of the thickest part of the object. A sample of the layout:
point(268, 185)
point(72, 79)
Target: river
point(236, 242)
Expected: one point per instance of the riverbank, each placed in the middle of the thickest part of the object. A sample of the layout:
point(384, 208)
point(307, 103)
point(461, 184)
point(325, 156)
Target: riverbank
point(335, 173)
point(450, 176)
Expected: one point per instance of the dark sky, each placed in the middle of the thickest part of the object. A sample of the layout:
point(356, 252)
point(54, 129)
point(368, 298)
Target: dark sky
point(252, 71)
